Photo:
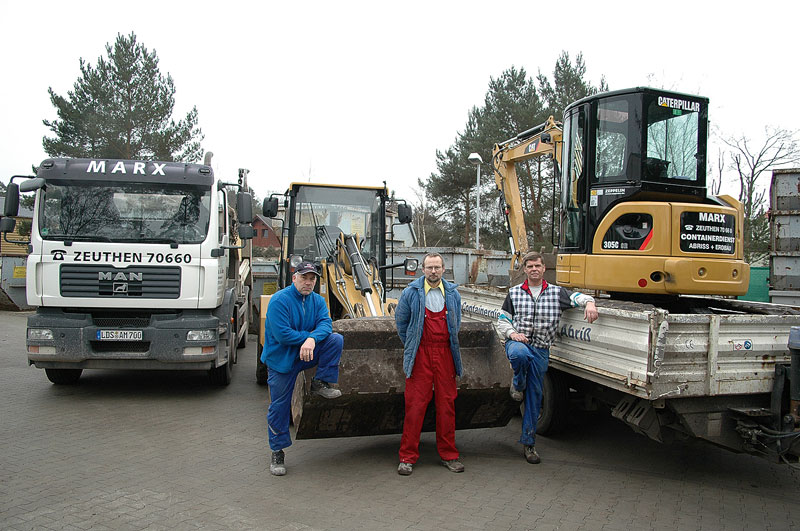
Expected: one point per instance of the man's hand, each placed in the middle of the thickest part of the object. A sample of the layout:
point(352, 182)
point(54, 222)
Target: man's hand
point(590, 312)
point(516, 336)
point(307, 349)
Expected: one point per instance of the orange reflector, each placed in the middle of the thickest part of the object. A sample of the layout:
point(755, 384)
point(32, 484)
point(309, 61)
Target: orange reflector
point(209, 350)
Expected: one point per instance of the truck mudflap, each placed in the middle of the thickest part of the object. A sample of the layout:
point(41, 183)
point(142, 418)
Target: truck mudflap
point(372, 382)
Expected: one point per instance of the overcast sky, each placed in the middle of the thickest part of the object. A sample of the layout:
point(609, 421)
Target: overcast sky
point(365, 92)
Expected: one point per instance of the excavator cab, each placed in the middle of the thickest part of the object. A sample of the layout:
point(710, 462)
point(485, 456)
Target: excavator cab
point(633, 185)
point(343, 230)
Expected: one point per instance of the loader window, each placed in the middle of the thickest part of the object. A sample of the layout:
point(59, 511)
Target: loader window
point(323, 213)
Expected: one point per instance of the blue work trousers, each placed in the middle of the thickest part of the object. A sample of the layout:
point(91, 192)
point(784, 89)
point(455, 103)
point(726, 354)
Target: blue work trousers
point(529, 364)
point(281, 385)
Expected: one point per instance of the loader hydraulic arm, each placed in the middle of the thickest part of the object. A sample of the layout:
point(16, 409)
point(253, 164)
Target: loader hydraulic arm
point(544, 139)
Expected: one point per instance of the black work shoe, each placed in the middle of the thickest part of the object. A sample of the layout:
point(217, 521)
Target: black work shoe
point(453, 465)
point(405, 469)
point(531, 456)
point(324, 389)
point(516, 395)
point(276, 466)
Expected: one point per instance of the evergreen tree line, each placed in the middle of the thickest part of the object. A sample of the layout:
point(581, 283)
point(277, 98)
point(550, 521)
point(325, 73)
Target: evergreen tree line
point(514, 102)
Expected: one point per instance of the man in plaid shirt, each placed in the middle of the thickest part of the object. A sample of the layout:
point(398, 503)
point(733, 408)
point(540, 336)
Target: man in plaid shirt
point(528, 323)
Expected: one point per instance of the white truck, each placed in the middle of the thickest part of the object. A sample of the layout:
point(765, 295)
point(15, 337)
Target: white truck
point(135, 265)
point(711, 368)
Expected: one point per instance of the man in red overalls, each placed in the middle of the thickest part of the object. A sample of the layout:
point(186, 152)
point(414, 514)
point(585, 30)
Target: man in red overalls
point(428, 318)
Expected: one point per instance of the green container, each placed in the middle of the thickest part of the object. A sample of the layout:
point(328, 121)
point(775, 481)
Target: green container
point(758, 291)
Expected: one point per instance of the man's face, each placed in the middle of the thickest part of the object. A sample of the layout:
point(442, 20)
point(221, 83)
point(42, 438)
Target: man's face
point(534, 270)
point(433, 268)
point(304, 283)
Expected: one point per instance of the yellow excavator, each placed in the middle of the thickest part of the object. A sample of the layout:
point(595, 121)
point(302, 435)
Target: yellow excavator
point(635, 218)
point(343, 230)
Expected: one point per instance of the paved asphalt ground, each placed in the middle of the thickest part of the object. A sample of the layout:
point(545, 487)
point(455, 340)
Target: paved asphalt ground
point(165, 450)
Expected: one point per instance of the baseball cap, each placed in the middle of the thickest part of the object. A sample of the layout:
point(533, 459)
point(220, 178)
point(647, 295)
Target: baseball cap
point(306, 267)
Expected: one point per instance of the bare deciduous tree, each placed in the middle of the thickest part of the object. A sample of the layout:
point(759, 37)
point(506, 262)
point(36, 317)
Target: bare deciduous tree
point(780, 148)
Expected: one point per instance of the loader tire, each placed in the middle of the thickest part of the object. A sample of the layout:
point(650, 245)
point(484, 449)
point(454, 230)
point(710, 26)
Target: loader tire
point(555, 404)
point(63, 376)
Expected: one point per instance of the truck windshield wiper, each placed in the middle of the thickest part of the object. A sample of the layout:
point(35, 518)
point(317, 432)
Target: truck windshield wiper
point(69, 238)
point(173, 243)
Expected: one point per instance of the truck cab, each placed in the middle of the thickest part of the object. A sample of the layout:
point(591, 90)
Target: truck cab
point(133, 265)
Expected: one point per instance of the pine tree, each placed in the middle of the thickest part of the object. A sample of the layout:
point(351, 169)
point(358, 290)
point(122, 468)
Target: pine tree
point(122, 108)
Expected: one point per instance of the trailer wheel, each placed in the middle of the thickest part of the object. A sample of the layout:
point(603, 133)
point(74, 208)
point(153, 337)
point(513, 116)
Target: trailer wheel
point(555, 404)
point(63, 376)
point(262, 372)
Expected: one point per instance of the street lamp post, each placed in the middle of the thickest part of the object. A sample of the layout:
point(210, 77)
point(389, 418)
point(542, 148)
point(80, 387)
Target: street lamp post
point(477, 161)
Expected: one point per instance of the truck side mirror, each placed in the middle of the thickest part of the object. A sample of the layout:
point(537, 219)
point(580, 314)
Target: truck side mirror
point(11, 206)
point(246, 232)
point(8, 224)
point(244, 207)
point(404, 213)
point(270, 208)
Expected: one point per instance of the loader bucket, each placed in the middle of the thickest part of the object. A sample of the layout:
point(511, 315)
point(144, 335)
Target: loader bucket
point(372, 382)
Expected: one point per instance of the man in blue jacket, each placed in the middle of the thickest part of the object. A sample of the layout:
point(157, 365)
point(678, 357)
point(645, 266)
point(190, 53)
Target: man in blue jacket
point(297, 336)
point(428, 318)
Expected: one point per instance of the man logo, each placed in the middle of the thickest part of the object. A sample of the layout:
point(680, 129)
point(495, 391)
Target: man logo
point(58, 254)
point(120, 287)
point(119, 275)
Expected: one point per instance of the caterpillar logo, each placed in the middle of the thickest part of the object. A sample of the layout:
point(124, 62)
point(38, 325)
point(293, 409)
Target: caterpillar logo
point(674, 103)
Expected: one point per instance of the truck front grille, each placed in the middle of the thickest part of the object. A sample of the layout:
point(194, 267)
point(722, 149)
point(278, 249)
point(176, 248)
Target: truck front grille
point(147, 282)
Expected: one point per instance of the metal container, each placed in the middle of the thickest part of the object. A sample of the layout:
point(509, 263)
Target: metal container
point(784, 259)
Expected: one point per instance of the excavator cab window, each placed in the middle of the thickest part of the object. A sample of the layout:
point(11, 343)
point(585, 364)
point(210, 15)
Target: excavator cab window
point(613, 138)
point(675, 137)
point(573, 179)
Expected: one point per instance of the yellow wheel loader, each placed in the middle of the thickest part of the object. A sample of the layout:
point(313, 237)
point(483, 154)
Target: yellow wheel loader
point(343, 230)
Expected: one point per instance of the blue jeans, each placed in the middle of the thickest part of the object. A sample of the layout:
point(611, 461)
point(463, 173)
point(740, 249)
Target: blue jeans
point(529, 364)
point(281, 385)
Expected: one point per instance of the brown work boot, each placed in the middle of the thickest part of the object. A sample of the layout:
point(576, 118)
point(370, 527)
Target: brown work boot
point(453, 465)
point(531, 456)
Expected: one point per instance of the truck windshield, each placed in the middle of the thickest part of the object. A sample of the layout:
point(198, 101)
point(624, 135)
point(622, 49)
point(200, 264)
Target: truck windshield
point(129, 212)
point(322, 214)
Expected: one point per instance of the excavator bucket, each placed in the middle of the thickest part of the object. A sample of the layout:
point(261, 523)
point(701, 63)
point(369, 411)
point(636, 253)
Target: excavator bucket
point(372, 382)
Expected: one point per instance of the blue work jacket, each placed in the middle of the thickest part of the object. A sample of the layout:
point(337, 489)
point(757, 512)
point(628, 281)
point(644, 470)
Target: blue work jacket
point(410, 318)
point(291, 319)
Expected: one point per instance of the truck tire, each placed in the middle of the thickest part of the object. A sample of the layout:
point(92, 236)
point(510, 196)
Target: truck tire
point(262, 373)
point(63, 376)
point(555, 404)
point(221, 375)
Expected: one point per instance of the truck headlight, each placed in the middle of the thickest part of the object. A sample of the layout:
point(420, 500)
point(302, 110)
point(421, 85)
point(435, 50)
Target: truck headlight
point(40, 334)
point(201, 335)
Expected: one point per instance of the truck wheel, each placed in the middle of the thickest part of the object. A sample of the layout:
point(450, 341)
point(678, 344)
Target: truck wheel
point(222, 375)
point(262, 373)
point(63, 376)
point(555, 404)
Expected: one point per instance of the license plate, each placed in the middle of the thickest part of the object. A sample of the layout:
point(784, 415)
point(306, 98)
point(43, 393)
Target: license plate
point(119, 335)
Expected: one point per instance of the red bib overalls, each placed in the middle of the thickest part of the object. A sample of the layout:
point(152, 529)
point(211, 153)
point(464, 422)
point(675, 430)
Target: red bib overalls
point(434, 374)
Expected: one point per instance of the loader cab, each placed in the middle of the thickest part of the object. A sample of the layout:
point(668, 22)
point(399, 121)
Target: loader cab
point(631, 145)
point(318, 214)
